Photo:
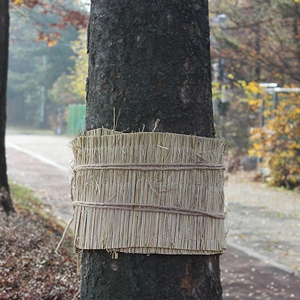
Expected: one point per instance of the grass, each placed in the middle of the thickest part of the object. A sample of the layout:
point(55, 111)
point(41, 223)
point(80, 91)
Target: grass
point(26, 202)
point(24, 199)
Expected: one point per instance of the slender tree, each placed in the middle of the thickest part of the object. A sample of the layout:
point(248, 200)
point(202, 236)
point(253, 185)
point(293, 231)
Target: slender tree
point(76, 19)
point(150, 60)
point(5, 199)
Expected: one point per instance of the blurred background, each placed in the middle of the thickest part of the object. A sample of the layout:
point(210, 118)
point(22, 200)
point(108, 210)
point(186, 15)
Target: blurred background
point(255, 54)
point(255, 49)
point(47, 65)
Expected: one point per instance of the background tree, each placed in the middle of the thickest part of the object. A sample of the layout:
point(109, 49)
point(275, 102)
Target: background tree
point(235, 113)
point(70, 88)
point(252, 41)
point(278, 141)
point(77, 19)
point(258, 40)
point(5, 199)
point(78, 75)
point(149, 61)
point(34, 67)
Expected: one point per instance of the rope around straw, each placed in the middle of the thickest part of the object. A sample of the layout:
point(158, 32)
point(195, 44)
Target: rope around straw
point(150, 167)
point(149, 208)
point(148, 192)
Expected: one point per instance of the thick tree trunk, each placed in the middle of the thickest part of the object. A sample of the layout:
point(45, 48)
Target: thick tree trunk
point(150, 60)
point(153, 277)
point(5, 199)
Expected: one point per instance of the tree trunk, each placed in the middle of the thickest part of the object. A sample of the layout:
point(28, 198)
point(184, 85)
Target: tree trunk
point(150, 60)
point(5, 199)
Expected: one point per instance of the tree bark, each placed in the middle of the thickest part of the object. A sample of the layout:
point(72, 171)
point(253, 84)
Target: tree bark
point(150, 60)
point(153, 277)
point(5, 199)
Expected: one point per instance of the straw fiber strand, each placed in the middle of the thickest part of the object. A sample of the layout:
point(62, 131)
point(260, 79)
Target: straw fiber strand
point(148, 192)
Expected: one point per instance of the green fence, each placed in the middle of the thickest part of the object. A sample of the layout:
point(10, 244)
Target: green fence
point(76, 119)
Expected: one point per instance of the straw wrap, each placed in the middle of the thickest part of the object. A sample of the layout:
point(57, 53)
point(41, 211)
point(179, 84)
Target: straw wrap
point(148, 192)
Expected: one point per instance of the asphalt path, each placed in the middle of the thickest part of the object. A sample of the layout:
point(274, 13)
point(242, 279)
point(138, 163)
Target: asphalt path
point(43, 164)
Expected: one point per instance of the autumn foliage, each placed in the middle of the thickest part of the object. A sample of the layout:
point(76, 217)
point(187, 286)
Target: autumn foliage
point(253, 124)
point(76, 18)
point(278, 142)
point(28, 3)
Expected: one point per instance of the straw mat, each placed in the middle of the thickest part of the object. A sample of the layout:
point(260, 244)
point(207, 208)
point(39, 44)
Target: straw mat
point(148, 192)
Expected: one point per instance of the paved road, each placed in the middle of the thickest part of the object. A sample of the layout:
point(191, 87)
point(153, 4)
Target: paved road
point(43, 164)
point(248, 268)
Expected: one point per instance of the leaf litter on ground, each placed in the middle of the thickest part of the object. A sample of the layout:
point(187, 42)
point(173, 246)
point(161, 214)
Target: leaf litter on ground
point(29, 267)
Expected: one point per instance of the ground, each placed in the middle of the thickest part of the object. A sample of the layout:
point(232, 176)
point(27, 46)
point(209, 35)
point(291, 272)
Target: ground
point(30, 268)
point(264, 219)
point(263, 239)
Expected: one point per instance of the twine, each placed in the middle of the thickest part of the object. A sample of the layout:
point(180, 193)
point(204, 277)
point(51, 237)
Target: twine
point(149, 167)
point(149, 208)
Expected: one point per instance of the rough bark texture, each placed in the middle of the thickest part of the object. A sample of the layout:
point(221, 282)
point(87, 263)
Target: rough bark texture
point(150, 60)
point(154, 277)
point(5, 199)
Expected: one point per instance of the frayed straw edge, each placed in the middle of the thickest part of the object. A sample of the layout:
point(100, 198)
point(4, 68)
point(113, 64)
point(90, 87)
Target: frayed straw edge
point(63, 236)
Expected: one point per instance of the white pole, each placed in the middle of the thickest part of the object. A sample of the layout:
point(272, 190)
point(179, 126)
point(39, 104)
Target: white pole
point(42, 112)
